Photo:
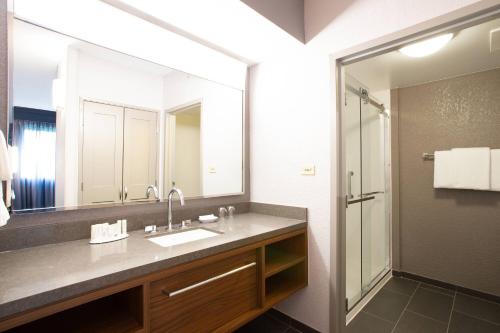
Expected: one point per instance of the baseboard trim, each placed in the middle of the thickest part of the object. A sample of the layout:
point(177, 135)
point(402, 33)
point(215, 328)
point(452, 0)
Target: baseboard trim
point(446, 285)
point(278, 315)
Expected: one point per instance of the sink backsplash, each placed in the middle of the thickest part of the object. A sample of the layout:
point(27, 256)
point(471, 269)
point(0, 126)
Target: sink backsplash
point(74, 225)
point(30, 230)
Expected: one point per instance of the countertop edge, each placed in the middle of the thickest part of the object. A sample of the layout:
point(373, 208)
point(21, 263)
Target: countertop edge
point(33, 302)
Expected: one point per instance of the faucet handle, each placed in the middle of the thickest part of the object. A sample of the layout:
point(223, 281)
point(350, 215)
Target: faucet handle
point(231, 210)
point(222, 212)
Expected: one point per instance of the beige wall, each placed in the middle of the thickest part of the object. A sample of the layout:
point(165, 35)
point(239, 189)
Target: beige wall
point(448, 235)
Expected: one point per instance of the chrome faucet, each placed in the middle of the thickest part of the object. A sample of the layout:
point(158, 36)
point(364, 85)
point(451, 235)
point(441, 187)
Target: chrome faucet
point(152, 188)
point(170, 196)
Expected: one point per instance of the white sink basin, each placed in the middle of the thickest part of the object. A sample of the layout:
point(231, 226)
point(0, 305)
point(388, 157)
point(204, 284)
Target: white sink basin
point(182, 237)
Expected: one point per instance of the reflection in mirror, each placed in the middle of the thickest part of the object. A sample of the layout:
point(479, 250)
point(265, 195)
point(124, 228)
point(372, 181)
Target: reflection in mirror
point(206, 158)
point(183, 166)
point(89, 125)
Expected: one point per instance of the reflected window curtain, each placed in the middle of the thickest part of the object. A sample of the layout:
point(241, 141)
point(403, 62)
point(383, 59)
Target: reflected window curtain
point(34, 179)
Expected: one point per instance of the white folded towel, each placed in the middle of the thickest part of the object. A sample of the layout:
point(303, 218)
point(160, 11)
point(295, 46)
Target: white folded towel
point(443, 169)
point(5, 175)
point(471, 168)
point(4, 213)
point(495, 170)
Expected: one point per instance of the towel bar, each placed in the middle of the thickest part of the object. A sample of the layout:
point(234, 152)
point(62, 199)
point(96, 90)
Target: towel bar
point(428, 157)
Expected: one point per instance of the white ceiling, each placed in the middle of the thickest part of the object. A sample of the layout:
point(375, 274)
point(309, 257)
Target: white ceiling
point(467, 52)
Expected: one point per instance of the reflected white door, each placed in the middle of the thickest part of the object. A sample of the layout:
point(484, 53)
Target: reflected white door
point(102, 143)
point(139, 154)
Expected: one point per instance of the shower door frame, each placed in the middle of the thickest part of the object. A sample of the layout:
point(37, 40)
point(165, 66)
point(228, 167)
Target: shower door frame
point(450, 22)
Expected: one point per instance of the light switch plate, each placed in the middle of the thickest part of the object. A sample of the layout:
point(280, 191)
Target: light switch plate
point(308, 170)
point(211, 169)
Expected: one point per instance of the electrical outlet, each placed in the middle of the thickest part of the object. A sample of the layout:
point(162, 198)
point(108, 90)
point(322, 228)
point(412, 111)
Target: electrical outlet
point(308, 170)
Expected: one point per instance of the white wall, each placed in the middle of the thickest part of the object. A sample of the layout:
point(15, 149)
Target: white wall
point(221, 128)
point(35, 58)
point(32, 88)
point(289, 109)
point(336, 25)
point(104, 80)
point(289, 128)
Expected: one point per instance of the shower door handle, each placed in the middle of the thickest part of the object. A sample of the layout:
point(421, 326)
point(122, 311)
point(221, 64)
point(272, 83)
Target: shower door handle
point(351, 202)
point(349, 185)
point(362, 195)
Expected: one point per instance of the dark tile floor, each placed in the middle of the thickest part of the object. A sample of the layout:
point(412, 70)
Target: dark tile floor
point(407, 306)
point(274, 322)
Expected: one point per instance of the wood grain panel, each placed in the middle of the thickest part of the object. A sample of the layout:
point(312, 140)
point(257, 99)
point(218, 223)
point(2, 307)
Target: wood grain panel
point(207, 307)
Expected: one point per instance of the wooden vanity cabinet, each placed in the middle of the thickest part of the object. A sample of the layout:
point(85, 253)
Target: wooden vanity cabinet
point(218, 293)
point(204, 298)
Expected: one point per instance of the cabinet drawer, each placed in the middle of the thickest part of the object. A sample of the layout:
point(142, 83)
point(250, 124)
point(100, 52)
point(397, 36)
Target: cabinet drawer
point(204, 298)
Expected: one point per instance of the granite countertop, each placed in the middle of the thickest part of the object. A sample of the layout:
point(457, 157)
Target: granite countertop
point(41, 275)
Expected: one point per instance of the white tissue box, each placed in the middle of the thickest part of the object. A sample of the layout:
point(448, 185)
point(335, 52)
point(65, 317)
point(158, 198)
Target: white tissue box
point(105, 232)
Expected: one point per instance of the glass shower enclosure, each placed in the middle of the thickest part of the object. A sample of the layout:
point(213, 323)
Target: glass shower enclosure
point(366, 124)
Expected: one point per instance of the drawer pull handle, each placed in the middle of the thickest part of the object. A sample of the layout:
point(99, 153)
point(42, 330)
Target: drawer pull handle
point(215, 278)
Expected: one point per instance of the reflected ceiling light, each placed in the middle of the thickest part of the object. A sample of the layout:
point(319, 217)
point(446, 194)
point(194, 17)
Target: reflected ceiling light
point(426, 47)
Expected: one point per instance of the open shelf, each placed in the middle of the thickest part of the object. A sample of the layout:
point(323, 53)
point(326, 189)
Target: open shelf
point(278, 260)
point(281, 285)
point(284, 254)
point(117, 313)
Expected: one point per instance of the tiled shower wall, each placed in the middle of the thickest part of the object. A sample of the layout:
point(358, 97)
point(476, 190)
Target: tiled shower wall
point(448, 235)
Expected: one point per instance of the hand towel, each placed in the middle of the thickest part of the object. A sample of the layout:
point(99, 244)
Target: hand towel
point(5, 169)
point(471, 168)
point(4, 213)
point(8, 193)
point(443, 169)
point(5, 175)
point(495, 170)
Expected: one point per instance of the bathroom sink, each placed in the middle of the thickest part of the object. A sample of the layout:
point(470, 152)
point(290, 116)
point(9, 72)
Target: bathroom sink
point(182, 237)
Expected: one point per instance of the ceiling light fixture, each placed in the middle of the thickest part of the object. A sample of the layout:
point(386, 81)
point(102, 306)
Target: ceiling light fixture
point(426, 47)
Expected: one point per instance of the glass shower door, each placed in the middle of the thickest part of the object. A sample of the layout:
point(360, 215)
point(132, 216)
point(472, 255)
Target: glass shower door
point(367, 219)
point(352, 119)
point(374, 186)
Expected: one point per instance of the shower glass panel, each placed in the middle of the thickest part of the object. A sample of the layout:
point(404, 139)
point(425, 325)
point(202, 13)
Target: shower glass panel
point(367, 212)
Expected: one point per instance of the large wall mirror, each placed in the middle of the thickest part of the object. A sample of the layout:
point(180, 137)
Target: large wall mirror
point(89, 125)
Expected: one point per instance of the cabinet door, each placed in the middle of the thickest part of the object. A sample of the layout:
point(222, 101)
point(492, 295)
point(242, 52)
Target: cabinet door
point(102, 143)
point(205, 298)
point(140, 153)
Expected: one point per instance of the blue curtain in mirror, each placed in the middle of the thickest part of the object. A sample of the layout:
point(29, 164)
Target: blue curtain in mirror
point(34, 177)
